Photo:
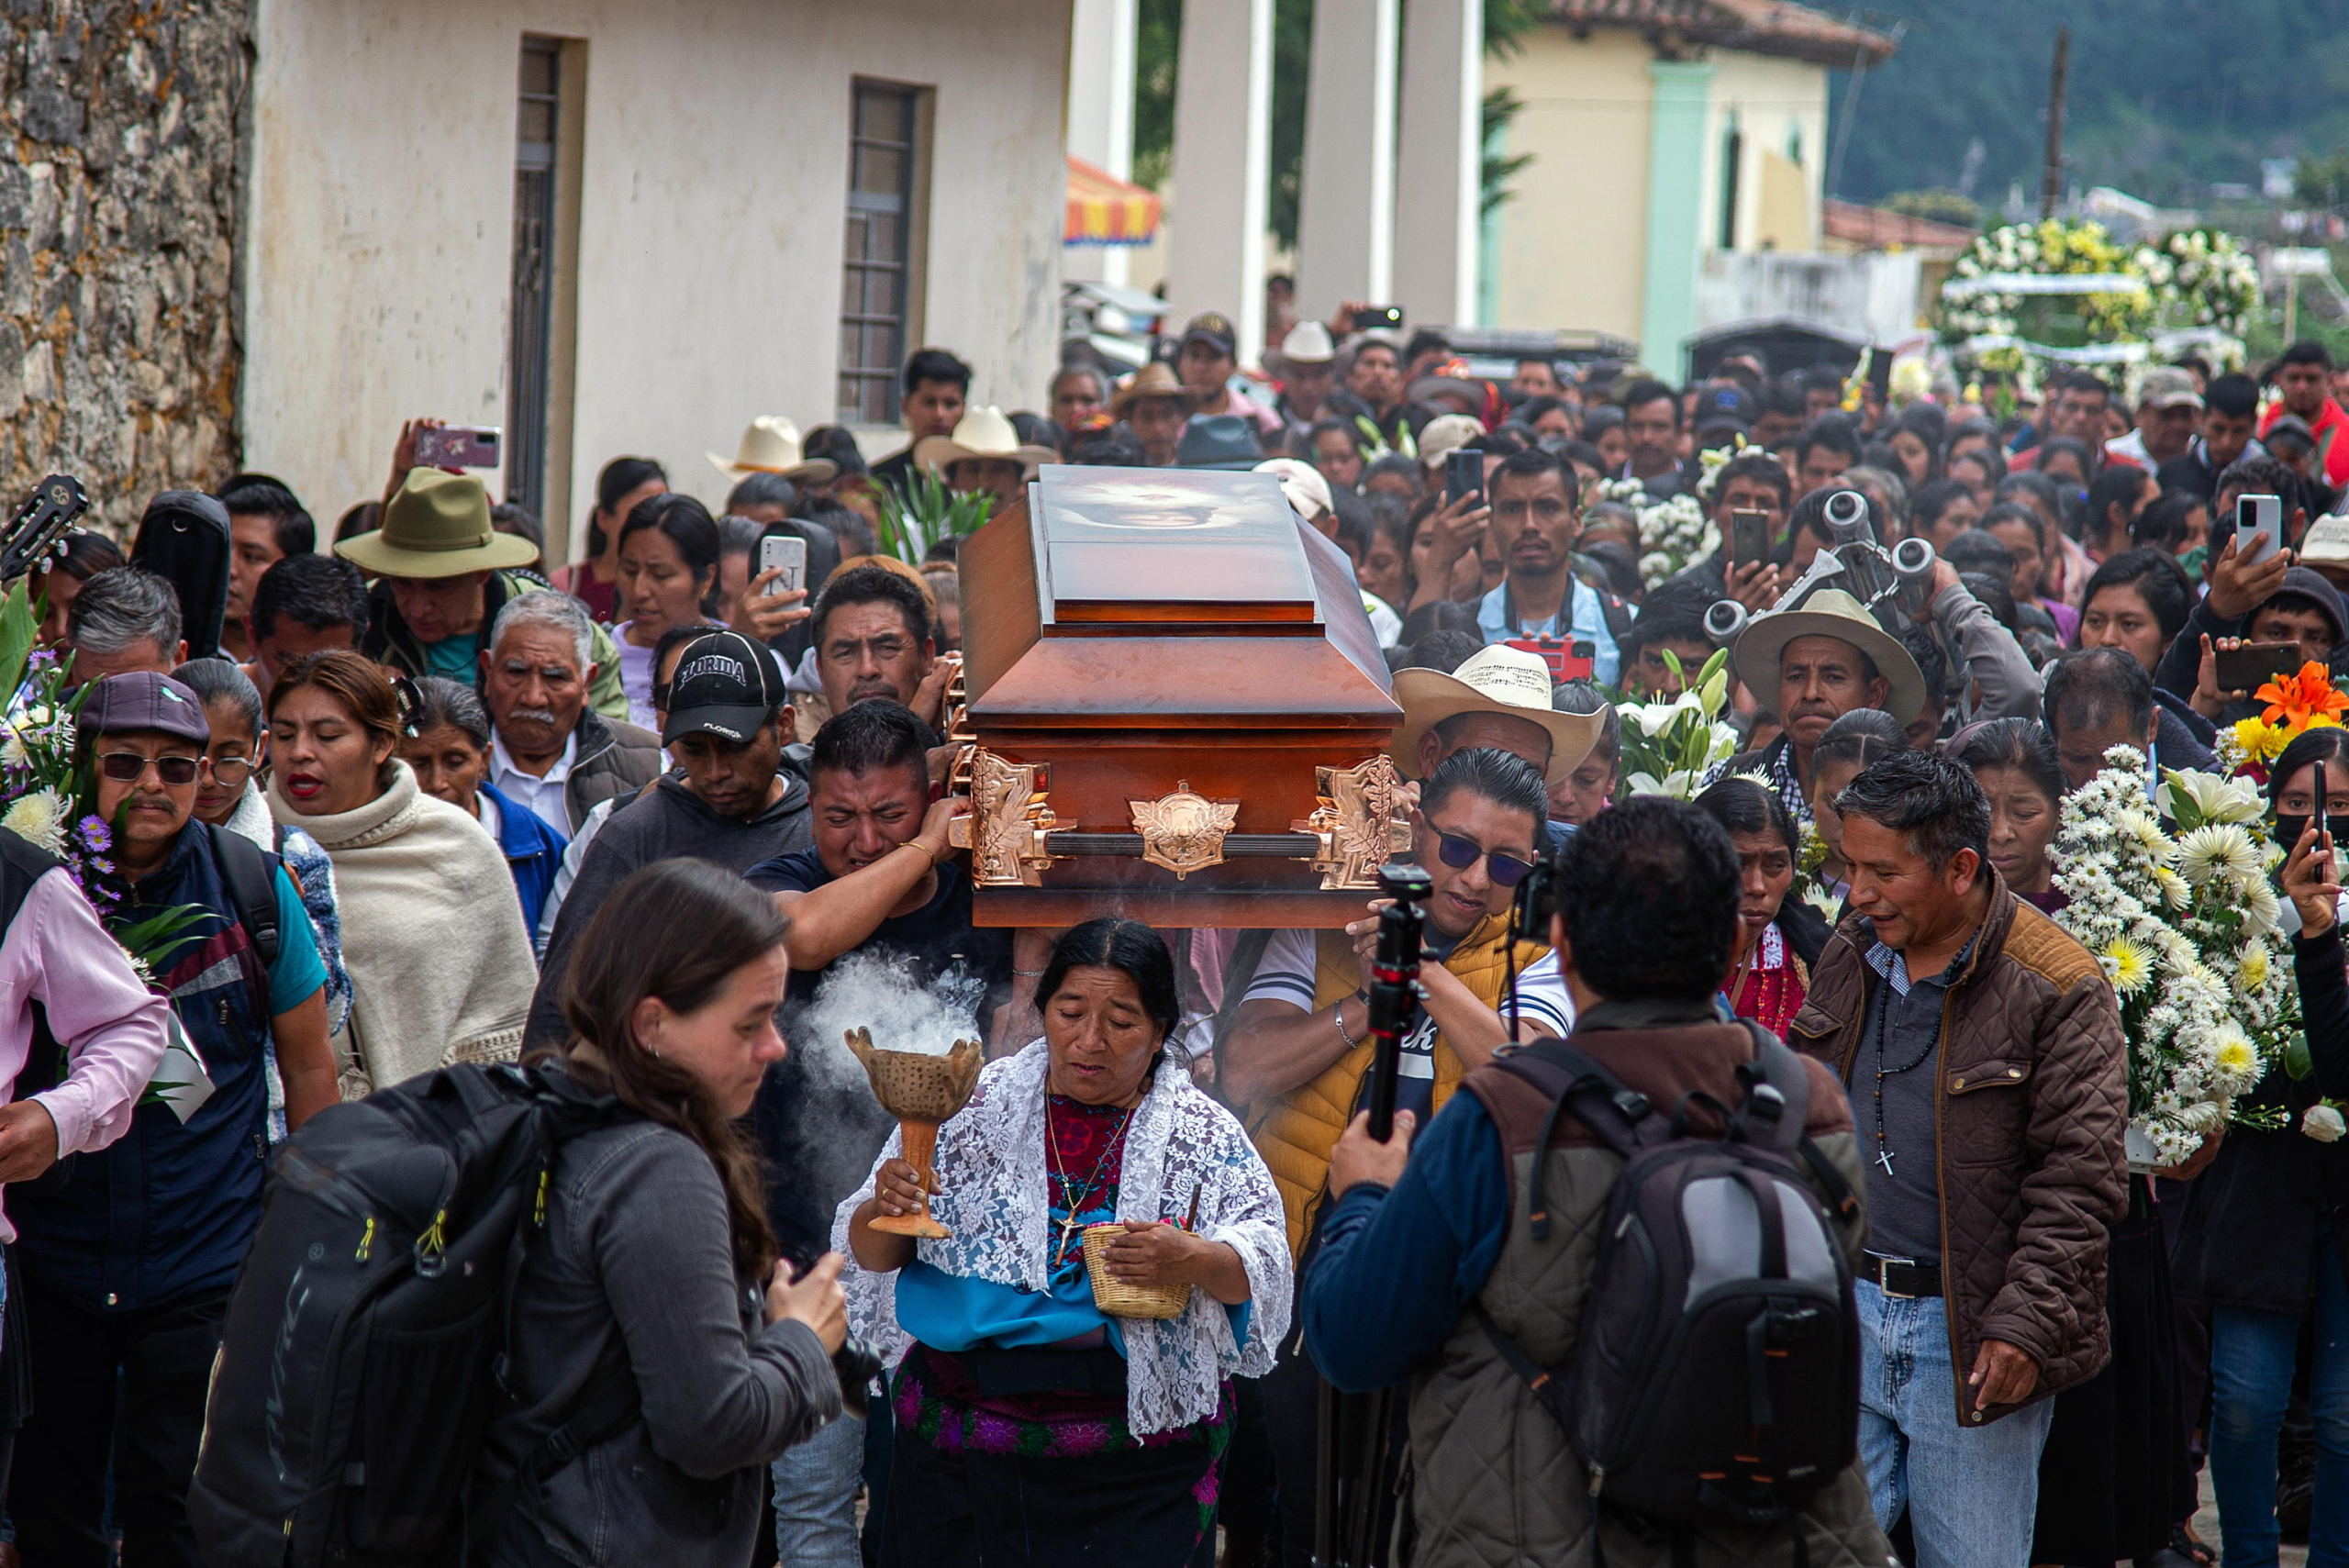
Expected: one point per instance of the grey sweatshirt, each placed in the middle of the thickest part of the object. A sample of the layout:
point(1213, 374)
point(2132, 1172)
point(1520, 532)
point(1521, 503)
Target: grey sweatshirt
point(666, 822)
point(635, 1262)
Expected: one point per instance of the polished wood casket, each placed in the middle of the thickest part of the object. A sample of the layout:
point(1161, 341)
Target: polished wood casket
point(1175, 709)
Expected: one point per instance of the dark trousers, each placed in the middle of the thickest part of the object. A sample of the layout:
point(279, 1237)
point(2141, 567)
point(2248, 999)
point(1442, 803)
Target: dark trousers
point(162, 1362)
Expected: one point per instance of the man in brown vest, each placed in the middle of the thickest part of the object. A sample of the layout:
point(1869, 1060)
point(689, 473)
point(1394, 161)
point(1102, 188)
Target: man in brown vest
point(1647, 897)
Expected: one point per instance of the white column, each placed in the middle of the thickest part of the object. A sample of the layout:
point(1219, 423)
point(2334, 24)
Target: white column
point(1101, 113)
point(1439, 173)
point(1346, 216)
point(1223, 115)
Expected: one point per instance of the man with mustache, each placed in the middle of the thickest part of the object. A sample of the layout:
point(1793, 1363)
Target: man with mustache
point(550, 750)
point(1822, 660)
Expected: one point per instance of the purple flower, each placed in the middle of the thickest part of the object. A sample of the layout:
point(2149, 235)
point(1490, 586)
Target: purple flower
point(97, 834)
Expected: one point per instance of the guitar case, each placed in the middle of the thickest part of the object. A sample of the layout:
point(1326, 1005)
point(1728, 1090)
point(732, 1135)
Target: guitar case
point(184, 538)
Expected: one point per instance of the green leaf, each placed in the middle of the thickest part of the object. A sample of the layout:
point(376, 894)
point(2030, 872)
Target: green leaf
point(2297, 1062)
point(154, 938)
point(18, 624)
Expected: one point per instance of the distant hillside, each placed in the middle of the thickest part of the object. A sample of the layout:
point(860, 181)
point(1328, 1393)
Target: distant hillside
point(2166, 96)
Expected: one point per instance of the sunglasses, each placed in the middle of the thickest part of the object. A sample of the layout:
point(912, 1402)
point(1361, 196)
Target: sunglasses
point(1506, 871)
point(129, 767)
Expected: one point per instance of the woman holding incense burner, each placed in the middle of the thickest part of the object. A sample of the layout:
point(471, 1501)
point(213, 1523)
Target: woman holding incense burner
point(1031, 1425)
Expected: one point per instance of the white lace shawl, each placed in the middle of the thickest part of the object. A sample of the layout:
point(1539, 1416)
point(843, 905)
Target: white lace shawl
point(991, 1166)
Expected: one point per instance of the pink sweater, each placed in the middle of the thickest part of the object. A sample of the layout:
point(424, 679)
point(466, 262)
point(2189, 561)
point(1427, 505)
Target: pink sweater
point(55, 952)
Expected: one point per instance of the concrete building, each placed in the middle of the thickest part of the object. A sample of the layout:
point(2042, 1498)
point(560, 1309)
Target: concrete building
point(617, 227)
point(258, 234)
point(1661, 130)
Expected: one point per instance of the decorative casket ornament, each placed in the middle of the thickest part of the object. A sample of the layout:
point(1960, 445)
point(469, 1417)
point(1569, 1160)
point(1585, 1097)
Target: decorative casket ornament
point(920, 1089)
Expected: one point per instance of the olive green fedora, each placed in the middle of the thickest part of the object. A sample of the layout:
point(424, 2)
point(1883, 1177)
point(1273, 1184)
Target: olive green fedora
point(436, 526)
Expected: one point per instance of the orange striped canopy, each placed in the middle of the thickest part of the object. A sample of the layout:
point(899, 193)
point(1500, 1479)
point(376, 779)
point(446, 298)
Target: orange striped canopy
point(1106, 210)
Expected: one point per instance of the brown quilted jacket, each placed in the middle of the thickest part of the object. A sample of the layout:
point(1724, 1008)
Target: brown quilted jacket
point(2028, 1133)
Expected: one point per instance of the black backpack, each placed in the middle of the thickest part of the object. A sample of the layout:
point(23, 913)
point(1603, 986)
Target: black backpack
point(362, 1358)
point(1715, 1376)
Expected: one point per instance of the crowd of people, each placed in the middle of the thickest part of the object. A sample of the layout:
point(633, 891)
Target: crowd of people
point(437, 800)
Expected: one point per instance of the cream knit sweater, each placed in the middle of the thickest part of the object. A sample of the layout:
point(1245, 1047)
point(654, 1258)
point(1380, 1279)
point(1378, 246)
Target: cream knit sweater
point(441, 966)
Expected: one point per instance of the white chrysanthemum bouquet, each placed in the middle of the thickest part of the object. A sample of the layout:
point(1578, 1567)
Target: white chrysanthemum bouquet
point(2188, 931)
point(1674, 534)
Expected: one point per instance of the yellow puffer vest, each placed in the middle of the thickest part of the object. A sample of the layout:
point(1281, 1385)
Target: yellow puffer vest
point(1295, 1133)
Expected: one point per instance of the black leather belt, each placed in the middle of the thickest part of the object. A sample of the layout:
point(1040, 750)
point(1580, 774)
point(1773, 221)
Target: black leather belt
point(1900, 1278)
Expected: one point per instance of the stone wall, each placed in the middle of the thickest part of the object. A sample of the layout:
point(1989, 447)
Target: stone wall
point(121, 179)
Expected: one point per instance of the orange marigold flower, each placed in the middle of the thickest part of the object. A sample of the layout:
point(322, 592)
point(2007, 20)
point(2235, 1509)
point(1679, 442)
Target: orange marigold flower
point(2296, 701)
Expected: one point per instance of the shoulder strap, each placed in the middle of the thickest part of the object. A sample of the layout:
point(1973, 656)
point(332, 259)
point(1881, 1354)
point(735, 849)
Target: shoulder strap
point(248, 872)
point(1600, 1101)
point(1776, 1066)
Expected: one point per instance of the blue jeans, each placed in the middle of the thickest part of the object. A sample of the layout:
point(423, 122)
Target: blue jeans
point(815, 1498)
point(2251, 1357)
point(1971, 1492)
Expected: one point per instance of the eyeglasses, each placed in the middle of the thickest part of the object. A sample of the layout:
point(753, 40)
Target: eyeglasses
point(1506, 871)
point(129, 767)
point(229, 771)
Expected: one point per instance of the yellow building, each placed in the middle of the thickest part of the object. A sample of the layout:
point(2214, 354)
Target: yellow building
point(1660, 129)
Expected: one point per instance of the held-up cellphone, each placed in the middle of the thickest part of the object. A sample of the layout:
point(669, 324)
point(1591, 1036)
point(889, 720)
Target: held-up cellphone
point(1387, 316)
point(459, 446)
point(2251, 666)
point(788, 552)
point(2258, 517)
point(1575, 661)
point(1749, 536)
point(1464, 474)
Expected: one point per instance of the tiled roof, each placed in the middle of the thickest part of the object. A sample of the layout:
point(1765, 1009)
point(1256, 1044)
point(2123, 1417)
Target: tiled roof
point(1875, 226)
point(1758, 27)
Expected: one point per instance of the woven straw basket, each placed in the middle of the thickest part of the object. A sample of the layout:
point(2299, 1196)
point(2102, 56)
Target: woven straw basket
point(1116, 1297)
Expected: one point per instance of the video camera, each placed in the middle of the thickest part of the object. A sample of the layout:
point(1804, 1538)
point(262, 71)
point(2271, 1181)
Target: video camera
point(1895, 585)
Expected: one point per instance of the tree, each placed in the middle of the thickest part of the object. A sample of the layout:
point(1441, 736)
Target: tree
point(1939, 206)
point(2323, 181)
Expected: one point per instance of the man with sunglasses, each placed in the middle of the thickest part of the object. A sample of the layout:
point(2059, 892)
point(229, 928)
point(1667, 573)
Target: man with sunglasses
point(1299, 1049)
point(127, 1266)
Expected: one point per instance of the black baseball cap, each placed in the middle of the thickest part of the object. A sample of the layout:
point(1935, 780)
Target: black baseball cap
point(1724, 407)
point(143, 702)
point(725, 684)
point(1211, 328)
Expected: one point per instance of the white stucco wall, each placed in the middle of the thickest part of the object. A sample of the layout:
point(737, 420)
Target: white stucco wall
point(711, 224)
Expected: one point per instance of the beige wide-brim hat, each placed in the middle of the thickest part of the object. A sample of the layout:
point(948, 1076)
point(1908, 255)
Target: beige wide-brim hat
point(770, 445)
point(1506, 681)
point(1829, 612)
point(980, 433)
point(1307, 343)
point(436, 526)
point(1156, 379)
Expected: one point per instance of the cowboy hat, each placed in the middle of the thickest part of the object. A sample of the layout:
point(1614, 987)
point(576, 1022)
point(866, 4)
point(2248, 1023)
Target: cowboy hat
point(1307, 343)
point(770, 445)
point(983, 432)
point(437, 525)
point(1155, 379)
point(1506, 681)
point(1829, 612)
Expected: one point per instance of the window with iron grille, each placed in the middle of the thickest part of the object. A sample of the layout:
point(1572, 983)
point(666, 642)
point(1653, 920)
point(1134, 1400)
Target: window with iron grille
point(538, 108)
point(875, 279)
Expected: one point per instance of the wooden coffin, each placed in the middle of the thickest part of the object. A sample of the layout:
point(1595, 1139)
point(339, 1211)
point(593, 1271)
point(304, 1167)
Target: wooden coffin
point(1176, 707)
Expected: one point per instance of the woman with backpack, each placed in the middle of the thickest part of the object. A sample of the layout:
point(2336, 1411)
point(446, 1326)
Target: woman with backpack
point(440, 963)
point(656, 1270)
